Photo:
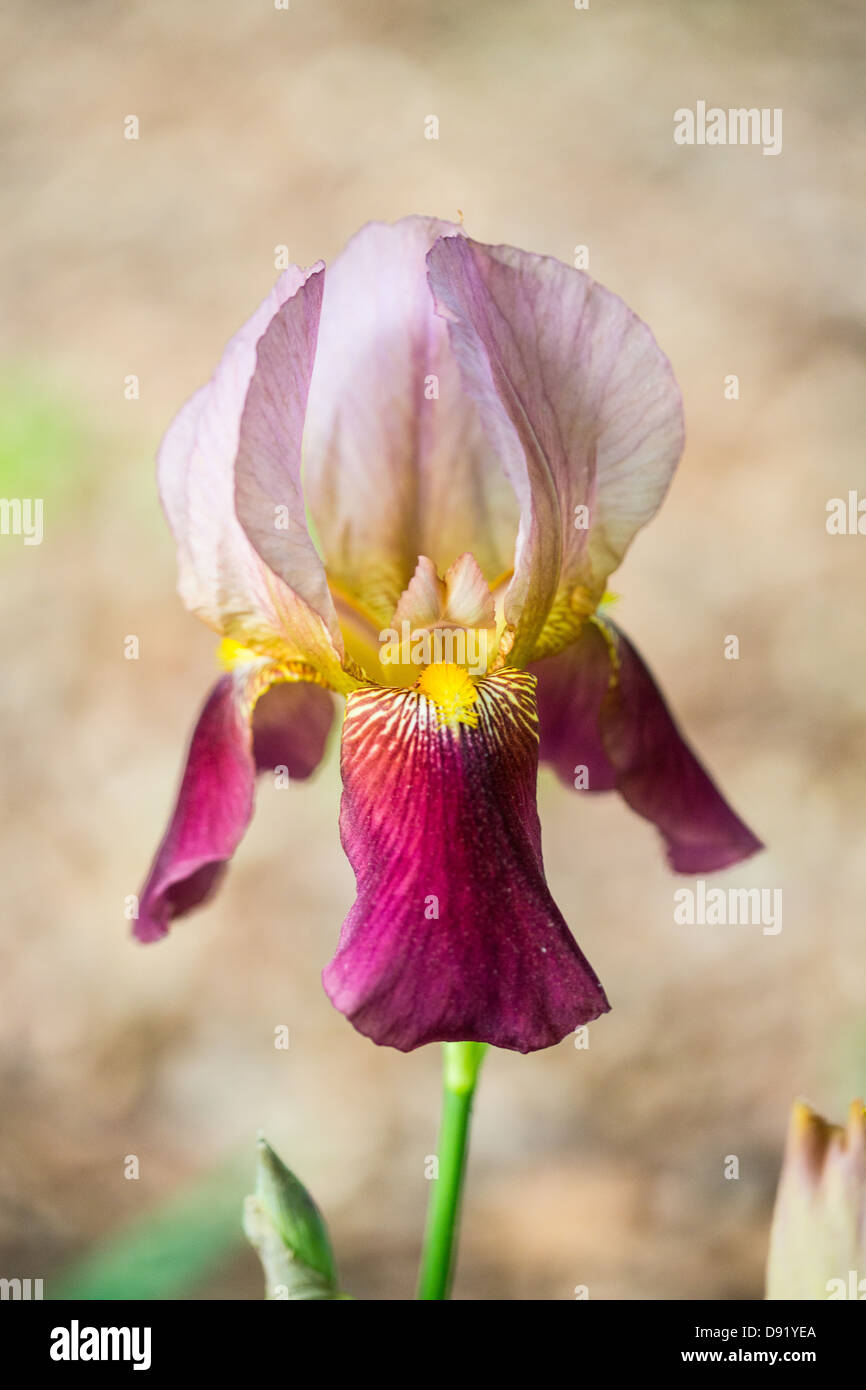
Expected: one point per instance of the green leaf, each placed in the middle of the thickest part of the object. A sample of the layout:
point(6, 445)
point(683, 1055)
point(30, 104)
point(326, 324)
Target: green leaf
point(167, 1252)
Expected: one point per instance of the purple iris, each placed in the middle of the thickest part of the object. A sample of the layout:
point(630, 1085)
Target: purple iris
point(407, 484)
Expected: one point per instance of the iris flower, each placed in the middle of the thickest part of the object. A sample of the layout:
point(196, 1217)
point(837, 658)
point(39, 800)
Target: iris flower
point(445, 441)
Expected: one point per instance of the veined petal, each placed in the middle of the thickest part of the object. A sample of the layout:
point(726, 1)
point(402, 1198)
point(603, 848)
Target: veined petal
point(600, 708)
point(270, 503)
point(423, 601)
point(252, 720)
point(222, 578)
point(395, 461)
point(469, 601)
point(454, 934)
point(461, 598)
point(583, 409)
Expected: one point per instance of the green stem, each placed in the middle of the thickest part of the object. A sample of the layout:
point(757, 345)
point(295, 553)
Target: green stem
point(461, 1065)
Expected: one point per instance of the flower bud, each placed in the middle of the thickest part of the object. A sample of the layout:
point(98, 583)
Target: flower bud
point(288, 1232)
point(818, 1237)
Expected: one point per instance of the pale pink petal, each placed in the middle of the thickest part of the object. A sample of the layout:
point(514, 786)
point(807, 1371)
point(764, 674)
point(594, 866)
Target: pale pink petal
point(221, 576)
point(270, 503)
point(422, 602)
point(468, 600)
point(462, 598)
point(582, 408)
point(396, 464)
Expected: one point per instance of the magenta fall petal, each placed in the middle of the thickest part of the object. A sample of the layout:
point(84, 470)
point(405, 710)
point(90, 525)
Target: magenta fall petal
point(454, 935)
point(626, 738)
point(288, 727)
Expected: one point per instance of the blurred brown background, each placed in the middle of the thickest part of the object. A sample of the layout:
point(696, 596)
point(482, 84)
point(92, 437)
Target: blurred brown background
point(259, 127)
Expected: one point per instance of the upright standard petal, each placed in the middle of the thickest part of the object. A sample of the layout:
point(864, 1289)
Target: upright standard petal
point(582, 407)
point(454, 935)
point(222, 578)
point(252, 720)
point(395, 461)
point(600, 710)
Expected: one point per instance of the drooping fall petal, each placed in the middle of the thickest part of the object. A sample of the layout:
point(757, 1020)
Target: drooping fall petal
point(222, 577)
point(396, 464)
point(622, 733)
point(572, 688)
point(454, 934)
point(582, 407)
point(818, 1237)
point(246, 725)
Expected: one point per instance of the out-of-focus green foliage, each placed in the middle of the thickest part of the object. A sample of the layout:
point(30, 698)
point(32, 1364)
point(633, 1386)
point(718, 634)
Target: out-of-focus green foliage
point(44, 441)
point(169, 1252)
